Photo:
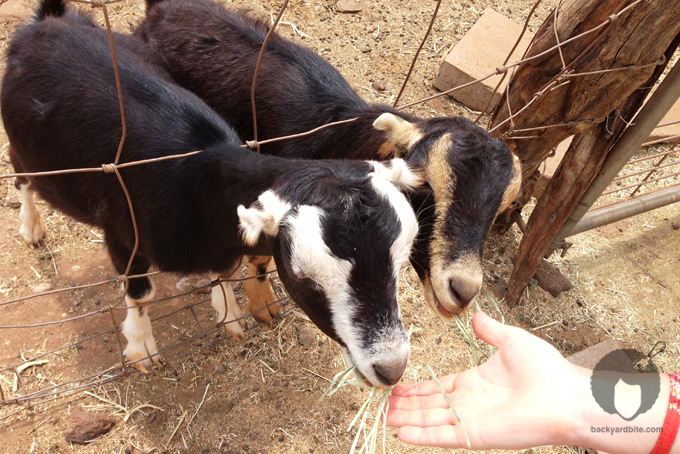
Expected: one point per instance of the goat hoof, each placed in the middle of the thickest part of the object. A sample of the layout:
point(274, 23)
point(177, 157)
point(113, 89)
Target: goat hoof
point(234, 331)
point(158, 361)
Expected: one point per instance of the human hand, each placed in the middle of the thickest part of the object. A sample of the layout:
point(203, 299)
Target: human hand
point(520, 398)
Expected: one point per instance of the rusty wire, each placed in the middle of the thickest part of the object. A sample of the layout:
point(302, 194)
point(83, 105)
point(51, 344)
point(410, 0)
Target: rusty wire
point(257, 69)
point(415, 58)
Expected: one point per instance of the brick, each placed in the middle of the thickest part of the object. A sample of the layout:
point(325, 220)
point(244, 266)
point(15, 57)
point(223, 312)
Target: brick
point(483, 48)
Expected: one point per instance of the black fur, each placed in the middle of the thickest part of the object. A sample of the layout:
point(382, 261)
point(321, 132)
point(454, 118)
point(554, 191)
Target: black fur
point(60, 110)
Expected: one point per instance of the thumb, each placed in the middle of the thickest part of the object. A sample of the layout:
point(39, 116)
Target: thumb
point(489, 330)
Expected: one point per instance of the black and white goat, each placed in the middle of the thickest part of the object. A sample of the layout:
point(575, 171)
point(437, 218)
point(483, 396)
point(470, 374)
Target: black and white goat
point(339, 231)
point(472, 176)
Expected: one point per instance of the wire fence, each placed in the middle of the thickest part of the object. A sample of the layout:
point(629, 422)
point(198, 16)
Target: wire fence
point(16, 392)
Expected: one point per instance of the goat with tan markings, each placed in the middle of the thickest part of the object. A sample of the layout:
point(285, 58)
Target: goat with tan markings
point(471, 176)
point(339, 231)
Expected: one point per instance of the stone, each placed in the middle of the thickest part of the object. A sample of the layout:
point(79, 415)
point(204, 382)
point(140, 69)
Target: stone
point(483, 48)
point(85, 425)
point(13, 202)
point(203, 286)
point(347, 6)
point(12, 9)
point(550, 279)
point(221, 369)
point(379, 85)
point(306, 335)
point(40, 288)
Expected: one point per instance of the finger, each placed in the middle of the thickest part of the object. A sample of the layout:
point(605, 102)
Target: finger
point(418, 402)
point(424, 388)
point(441, 437)
point(489, 330)
point(434, 417)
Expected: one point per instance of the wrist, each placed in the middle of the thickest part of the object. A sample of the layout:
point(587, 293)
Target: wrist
point(593, 427)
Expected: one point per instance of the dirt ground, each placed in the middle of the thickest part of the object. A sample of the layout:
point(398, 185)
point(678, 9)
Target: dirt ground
point(265, 394)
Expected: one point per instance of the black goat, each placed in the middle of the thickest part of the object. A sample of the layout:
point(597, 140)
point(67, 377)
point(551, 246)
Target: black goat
point(472, 176)
point(339, 231)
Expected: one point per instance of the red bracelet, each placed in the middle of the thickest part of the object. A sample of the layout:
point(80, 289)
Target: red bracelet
point(672, 422)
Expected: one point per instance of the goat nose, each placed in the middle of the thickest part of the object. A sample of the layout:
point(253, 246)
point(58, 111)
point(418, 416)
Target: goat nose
point(390, 372)
point(464, 291)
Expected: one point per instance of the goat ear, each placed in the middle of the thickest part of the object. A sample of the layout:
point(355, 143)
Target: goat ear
point(398, 172)
point(402, 133)
point(265, 215)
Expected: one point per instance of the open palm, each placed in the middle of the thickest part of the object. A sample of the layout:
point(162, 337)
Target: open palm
point(508, 402)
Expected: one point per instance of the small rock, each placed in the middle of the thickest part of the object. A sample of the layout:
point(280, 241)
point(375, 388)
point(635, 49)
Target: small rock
point(203, 286)
point(42, 287)
point(85, 425)
point(675, 225)
point(551, 280)
point(306, 335)
point(281, 438)
point(12, 9)
point(347, 6)
point(221, 369)
point(12, 201)
point(366, 49)
point(371, 28)
point(499, 288)
point(379, 85)
point(663, 284)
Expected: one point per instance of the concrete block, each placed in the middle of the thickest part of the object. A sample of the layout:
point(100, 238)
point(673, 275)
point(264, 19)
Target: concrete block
point(668, 132)
point(483, 48)
point(549, 166)
point(589, 357)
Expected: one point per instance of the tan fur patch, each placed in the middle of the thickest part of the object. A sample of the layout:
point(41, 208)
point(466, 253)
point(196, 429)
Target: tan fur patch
point(439, 174)
point(259, 292)
point(512, 191)
point(387, 150)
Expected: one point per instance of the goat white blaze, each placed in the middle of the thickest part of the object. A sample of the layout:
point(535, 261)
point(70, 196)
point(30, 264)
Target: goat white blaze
point(138, 332)
point(393, 343)
point(398, 174)
point(224, 303)
point(31, 228)
point(311, 257)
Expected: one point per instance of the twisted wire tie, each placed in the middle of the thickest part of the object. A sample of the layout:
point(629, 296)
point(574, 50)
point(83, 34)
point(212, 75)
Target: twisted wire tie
point(97, 3)
point(122, 278)
point(252, 144)
point(502, 69)
point(613, 18)
point(108, 168)
point(106, 309)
